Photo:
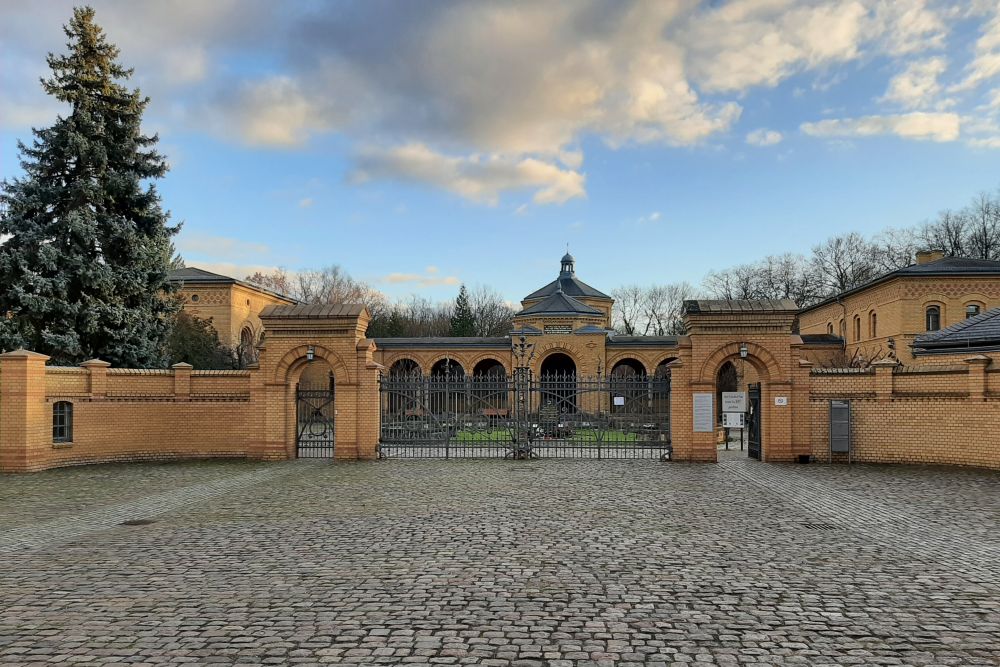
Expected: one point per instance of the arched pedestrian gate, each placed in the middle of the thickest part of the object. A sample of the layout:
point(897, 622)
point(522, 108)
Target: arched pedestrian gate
point(316, 420)
point(753, 423)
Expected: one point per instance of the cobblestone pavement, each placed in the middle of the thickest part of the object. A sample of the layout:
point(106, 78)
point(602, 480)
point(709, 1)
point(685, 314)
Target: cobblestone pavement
point(501, 563)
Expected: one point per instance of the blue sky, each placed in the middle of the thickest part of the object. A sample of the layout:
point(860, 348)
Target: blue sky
point(419, 145)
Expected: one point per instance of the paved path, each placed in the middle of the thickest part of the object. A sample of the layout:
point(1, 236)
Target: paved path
point(501, 563)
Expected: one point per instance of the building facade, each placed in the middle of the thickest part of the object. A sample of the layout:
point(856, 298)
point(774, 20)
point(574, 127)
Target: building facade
point(233, 306)
point(320, 385)
point(930, 295)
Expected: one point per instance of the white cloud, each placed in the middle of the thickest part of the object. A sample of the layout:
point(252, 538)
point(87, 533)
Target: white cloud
point(985, 142)
point(220, 247)
point(762, 42)
point(273, 113)
point(986, 63)
point(430, 278)
point(477, 177)
point(306, 202)
point(917, 125)
point(917, 86)
point(233, 269)
point(650, 218)
point(764, 137)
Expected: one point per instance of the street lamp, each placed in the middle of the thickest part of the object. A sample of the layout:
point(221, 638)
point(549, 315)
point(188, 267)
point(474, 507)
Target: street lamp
point(743, 351)
point(310, 353)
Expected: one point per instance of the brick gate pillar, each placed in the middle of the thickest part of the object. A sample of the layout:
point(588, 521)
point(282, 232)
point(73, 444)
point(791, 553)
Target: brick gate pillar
point(25, 424)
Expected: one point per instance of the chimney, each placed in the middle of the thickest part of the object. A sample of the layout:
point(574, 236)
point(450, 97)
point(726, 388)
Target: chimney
point(928, 256)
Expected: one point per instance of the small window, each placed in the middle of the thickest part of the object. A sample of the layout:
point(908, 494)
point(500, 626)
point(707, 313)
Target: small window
point(972, 310)
point(857, 328)
point(194, 298)
point(829, 328)
point(933, 318)
point(872, 325)
point(62, 422)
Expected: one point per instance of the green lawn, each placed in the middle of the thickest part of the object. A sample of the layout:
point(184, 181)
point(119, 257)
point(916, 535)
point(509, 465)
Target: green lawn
point(579, 435)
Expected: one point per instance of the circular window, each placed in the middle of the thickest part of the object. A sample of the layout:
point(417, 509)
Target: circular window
point(194, 298)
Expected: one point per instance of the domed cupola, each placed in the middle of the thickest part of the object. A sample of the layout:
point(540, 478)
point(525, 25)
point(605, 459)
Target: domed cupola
point(567, 266)
point(568, 296)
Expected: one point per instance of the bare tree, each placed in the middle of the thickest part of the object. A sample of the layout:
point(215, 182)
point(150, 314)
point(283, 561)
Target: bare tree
point(628, 309)
point(844, 262)
point(982, 222)
point(493, 315)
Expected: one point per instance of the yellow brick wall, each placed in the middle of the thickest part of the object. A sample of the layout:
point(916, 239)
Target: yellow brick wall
point(230, 307)
point(929, 416)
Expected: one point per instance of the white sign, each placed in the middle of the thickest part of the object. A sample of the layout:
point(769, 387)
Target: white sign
point(732, 419)
point(704, 412)
point(734, 401)
point(619, 400)
point(781, 400)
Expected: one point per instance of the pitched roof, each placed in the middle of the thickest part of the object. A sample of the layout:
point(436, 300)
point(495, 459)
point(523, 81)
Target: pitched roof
point(560, 303)
point(702, 306)
point(570, 285)
point(979, 332)
point(946, 266)
point(195, 276)
point(305, 311)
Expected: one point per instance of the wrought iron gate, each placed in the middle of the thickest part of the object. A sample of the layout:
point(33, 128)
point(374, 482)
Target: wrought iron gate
point(554, 416)
point(753, 422)
point(316, 421)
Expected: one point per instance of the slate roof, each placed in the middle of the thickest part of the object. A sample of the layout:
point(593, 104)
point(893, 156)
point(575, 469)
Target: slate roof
point(444, 342)
point(195, 276)
point(641, 341)
point(978, 333)
point(305, 311)
point(702, 306)
point(560, 303)
point(946, 266)
point(821, 339)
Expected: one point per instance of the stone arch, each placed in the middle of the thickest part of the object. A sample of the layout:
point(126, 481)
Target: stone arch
point(453, 358)
point(487, 365)
point(490, 356)
point(628, 367)
point(405, 366)
point(557, 362)
point(453, 366)
point(759, 357)
point(615, 359)
point(292, 363)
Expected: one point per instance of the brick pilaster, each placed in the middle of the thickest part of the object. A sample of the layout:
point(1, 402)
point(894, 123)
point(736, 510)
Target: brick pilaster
point(97, 384)
point(25, 426)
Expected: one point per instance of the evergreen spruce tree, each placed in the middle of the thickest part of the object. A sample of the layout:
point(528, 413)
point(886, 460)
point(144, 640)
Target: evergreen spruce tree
point(463, 321)
point(84, 272)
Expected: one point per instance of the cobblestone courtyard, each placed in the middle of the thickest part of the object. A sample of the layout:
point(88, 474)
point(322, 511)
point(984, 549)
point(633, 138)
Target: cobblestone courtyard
point(497, 563)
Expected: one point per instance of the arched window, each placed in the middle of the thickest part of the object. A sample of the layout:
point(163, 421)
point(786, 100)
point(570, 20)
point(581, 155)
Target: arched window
point(829, 328)
point(62, 421)
point(933, 318)
point(972, 309)
point(857, 328)
point(872, 325)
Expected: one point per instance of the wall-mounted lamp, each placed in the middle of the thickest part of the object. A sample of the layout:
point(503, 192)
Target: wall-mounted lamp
point(310, 353)
point(743, 351)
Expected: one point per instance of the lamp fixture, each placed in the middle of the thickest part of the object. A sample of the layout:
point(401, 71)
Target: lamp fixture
point(743, 351)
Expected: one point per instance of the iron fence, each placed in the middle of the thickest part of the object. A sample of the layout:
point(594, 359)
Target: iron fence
point(553, 416)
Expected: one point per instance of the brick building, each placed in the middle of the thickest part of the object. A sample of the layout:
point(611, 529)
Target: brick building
point(932, 294)
point(322, 388)
point(233, 306)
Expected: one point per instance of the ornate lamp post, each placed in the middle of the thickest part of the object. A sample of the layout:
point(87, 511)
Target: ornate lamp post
point(523, 353)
